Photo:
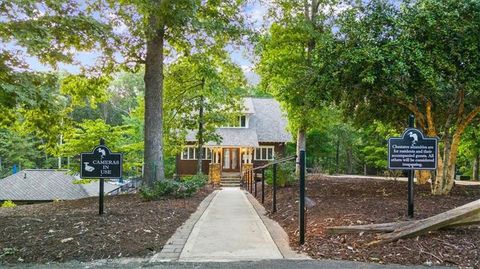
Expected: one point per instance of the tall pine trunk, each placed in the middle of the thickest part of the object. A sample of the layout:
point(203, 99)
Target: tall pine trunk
point(153, 143)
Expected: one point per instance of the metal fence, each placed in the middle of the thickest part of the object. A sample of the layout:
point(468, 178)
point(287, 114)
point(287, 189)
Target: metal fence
point(250, 178)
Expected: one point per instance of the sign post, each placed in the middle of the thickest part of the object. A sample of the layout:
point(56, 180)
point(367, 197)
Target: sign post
point(302, 197)
point(411, 173)
point(412, 151)
point(101, 163)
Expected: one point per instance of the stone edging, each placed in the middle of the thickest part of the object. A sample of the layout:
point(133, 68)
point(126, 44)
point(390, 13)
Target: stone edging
point(173, 248)
point(279, 236)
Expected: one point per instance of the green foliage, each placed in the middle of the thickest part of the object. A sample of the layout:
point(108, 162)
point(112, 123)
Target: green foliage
point(8, 204)
point(86, 135)
point(85, 91)
point(171, 188)
point(285, 174)
point(83, 181)
point(20, 150)
point(468, 150)
point(289, 69)
point(208, 81)
point(373, 144)
point(52, 30)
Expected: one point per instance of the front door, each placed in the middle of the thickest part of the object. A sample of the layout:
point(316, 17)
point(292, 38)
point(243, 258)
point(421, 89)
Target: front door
point(231, 160)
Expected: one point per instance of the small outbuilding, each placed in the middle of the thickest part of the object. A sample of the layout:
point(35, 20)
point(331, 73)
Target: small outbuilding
point(43, 185)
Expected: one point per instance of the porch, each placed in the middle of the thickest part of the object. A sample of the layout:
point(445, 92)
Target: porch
point(227, 163)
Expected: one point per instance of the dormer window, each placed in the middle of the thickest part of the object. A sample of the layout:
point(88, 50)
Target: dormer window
point(240, 122)
point(243, 121)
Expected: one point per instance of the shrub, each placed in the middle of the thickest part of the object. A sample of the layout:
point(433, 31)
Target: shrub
point(187, 187)
point(8, 203)
point(285, 174)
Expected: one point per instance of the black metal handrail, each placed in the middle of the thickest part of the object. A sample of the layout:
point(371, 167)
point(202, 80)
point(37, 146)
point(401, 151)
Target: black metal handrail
point(282, 160)
point(249, 181)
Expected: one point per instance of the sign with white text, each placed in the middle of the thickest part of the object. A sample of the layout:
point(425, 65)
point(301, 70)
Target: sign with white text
point(412, 151)
point(101, 163)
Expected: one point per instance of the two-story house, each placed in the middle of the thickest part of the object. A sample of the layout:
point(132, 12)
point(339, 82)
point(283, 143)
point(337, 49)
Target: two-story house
point(259, 136)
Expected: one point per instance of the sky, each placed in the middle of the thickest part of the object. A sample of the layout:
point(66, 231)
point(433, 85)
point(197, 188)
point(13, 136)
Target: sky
point(243, 56)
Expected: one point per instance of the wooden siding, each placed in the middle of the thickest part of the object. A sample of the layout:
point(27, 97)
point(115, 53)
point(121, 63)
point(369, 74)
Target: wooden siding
point(189, 167)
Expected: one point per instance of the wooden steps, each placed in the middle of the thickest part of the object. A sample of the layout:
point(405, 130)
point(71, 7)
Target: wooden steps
point(230, 179)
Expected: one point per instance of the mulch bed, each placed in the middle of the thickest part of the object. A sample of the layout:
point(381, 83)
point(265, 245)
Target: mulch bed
point(347, 201)
point(73, 230)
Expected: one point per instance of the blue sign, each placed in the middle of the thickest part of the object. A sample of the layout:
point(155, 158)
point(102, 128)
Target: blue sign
point(412, 151)
point(101, 163)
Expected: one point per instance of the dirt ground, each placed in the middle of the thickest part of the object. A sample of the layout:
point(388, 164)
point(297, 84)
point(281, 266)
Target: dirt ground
point(73, 230)
point(347, 201)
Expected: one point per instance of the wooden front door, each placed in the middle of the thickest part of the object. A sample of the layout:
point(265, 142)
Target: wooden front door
point(231, 159)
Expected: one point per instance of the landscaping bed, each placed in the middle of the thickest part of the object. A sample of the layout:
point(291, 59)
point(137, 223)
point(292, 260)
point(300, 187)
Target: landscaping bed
point(73, 230)
point(348, 201)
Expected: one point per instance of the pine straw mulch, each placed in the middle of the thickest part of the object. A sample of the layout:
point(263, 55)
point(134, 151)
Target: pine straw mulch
point(73, 230)
point(349, 201)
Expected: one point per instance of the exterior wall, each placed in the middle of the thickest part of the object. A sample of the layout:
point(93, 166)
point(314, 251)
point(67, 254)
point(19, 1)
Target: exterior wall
point(189, 167)
point(279, 152)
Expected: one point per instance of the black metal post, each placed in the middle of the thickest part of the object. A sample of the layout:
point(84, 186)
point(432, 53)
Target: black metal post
point(255, 183)
point(251, 181)
point(263, 185)
point(274, 203)
point(302, 197)
point(411, 173)
point(100, 208)
point(102, 184)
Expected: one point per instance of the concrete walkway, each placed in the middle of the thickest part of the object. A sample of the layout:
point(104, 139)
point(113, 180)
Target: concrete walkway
point(230, 230)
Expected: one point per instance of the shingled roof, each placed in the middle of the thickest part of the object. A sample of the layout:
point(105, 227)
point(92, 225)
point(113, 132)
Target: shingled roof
point(46, 185)
point(267, 123)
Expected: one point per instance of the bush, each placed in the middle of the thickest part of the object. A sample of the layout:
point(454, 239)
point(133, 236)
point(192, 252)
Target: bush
point(8, 203)
point(285, 174)
point(187, 187)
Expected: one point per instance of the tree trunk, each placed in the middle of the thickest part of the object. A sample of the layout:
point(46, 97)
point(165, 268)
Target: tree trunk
point(349, 161)
point(476, 167)
point(422, 176)
point(445, 177)
point(200, 134)
point(301, 145)
point(337, 158)
point(153, 152)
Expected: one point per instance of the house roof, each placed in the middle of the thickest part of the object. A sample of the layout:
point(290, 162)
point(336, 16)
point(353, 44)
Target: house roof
point(239, 137)
point(267, 123)
point(248, 107)
point(47, 185)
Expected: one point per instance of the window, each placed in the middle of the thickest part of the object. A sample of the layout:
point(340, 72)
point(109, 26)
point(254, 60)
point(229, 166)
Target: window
point(191, 153)
point(243, 121)
point(239, 122)
point(265, 153)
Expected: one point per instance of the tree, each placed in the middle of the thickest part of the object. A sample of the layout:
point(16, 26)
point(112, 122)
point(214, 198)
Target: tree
point(289, 67)
point(148, 30)
point(422, 58)
point(178, 26)
point(20, 150)
point(204, 89)
point(469, 151)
